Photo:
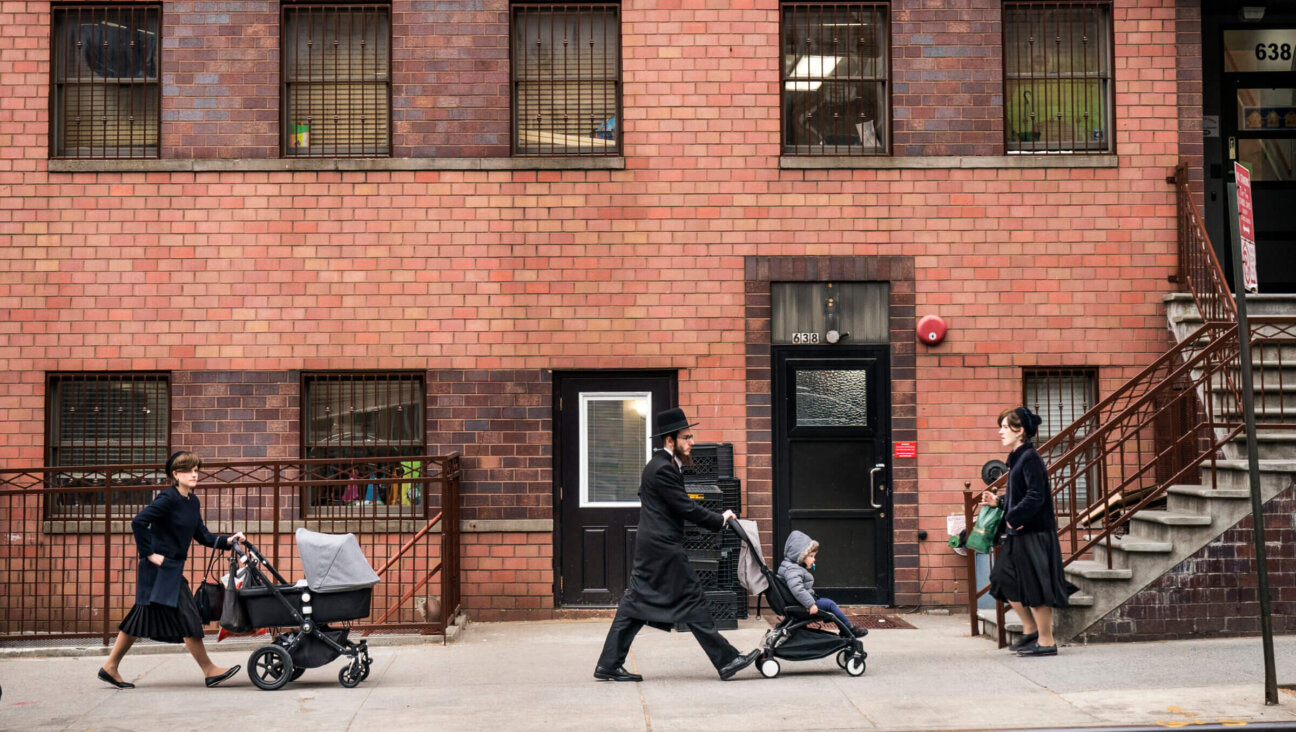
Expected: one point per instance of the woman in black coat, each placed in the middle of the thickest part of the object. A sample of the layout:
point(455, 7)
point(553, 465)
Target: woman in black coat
point(1028, 572)
point(164, 606)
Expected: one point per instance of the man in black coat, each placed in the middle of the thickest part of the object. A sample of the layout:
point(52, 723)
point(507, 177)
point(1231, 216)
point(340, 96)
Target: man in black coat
point(663, 590)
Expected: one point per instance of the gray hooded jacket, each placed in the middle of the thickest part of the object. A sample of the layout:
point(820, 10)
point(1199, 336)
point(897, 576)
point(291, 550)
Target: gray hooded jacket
point(797, 577)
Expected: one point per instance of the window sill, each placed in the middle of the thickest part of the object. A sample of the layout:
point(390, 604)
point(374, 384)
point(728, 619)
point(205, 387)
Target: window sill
point(333, 164)
point(90, 525)
point(829, 162)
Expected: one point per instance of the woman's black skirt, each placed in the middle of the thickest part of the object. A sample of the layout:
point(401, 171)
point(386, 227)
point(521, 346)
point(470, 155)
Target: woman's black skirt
point(1029, 571)
point(163, 623)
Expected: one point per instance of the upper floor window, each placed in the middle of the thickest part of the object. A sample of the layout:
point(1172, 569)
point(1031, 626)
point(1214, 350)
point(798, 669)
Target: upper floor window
point(834, 78)
point(1057, 77)
point(350, 415)
point(566, 79)
point(96, 419)
point(336, 82)
point(106, 97)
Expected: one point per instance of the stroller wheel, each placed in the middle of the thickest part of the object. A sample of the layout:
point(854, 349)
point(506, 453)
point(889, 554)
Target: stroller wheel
point(364, 670)
point(296, 674)
point(842, 657)
point(769, 667)
point(351, 675)
point(270, 667)
point(855, 665)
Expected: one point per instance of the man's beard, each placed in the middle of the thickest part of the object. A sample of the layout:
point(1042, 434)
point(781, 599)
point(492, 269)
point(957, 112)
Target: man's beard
point(685, 460)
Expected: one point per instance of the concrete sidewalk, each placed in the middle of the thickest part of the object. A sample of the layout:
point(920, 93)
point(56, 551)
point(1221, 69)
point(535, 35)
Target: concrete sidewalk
point(537, 676)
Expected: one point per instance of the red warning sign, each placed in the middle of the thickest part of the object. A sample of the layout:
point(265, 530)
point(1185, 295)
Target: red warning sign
point(906, 449)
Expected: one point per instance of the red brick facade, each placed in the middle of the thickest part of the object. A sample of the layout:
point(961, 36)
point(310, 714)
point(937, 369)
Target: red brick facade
point(489, 280)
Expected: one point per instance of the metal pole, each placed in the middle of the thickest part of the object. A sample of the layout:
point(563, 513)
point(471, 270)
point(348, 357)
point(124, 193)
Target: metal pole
point(1253, 457)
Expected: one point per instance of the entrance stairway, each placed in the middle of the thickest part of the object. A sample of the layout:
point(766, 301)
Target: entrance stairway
point(1194, 514)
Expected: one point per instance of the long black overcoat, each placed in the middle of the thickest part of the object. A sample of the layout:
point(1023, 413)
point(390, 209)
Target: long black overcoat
point(662, 589)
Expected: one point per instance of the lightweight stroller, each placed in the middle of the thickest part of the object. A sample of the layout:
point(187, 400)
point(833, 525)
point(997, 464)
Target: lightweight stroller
point(792, 639)
point(338, 588)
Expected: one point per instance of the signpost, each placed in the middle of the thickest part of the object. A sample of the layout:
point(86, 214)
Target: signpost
point(1244, 280)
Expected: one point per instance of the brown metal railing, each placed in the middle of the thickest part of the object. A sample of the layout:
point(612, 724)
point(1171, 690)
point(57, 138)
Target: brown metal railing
point(71, 574)
point(1167, 425)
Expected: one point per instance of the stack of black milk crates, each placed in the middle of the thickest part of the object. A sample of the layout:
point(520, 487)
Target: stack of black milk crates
point(713, 555)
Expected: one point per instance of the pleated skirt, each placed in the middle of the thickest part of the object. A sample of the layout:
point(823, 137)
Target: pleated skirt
point(1029, 571)
point(163, 623)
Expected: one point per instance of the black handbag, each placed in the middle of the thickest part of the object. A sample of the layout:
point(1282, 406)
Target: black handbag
point(210, 596)
point(233, 616)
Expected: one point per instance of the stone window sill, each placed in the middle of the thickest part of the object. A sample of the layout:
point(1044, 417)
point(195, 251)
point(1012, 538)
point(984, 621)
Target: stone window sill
point(831, 162)
point(333, 164)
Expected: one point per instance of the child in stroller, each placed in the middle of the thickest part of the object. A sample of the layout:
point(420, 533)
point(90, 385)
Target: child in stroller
point(793, 639)
point(338, 588)
point(799, 552)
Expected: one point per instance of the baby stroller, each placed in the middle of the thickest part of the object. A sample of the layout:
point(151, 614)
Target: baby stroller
point(792, 639)
point(338, 588)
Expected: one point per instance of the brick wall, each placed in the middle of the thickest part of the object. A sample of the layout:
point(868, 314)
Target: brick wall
point(474, 275)
point(236, 415)
point(1213, 594)
point(947, 67)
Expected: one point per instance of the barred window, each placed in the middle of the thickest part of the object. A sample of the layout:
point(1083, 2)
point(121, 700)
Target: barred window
point(834, 90)
point(1058, 92)
point(566, 79)
point(106, 96)
point(106, 419)
point(359, 415)
point(336, 93)
point(1060, 396)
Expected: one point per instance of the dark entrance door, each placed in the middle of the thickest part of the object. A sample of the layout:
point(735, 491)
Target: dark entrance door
point(602, 425)
point(1257, 112)
point(831, 465)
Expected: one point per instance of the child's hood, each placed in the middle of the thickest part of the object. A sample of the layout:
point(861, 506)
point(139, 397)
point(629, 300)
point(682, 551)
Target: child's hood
point(797, 546)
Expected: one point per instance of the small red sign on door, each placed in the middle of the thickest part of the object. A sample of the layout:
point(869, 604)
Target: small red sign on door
point(906, 449)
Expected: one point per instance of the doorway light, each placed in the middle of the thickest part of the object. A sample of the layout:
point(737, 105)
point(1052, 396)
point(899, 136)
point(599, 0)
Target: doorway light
point(1252, 13)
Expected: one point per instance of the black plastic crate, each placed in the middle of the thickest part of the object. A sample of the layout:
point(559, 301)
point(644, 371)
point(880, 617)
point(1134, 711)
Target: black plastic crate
point(727, 569)
point(730, 493)
point(700, 542)
point(708, 496)
point(741, 600)
point(711, 460)
point(723, 607)
point(707, 572)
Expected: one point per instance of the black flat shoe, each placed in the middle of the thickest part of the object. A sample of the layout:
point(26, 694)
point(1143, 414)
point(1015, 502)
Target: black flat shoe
point(858, 632)
point(103, 676)
point(738, 664)
point(617, 674)
point(1036, 649)
point(214, 680)
point(1023, 641)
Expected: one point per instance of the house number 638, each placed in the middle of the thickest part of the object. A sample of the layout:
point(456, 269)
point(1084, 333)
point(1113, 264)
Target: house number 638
point(801, 338)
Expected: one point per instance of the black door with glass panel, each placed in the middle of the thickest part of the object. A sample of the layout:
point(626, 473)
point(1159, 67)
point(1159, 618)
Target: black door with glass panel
point(831, 465)
point(1257, 106)
point(602, 423)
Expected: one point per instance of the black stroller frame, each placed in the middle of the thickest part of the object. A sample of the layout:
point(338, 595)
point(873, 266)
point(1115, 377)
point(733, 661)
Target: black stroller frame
point(792, 639)
point(312, 642)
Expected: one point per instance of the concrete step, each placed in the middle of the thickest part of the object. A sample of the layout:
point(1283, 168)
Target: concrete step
point(1125, 549)
point(1012, 621)
point(1159, 526)
point(1090, 570)
point(1197, 499)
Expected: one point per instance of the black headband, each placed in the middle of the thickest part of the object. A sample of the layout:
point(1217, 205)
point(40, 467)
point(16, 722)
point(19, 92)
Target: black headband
point(170, 463)
point(1030, 421)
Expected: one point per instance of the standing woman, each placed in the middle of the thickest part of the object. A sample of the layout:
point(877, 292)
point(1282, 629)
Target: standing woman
point(164, 607)
point(1028, 573)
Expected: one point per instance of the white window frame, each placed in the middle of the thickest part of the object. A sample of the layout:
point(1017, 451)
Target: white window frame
point(606, 396)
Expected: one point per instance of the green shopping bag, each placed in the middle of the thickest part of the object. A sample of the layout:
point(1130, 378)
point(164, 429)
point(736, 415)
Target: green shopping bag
point(984, 530)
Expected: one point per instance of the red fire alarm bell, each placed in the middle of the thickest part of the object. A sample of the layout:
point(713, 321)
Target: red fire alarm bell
point(931, 329)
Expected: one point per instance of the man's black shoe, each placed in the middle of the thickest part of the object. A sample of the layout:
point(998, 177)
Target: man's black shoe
point(617, 674)
point(738, 664)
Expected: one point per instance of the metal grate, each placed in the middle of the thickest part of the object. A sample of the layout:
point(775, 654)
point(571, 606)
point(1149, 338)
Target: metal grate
point(1060, 396)
point(834, 78)
point(1057, 77)
point(566, 79)
point(97, 419)
point(106, 96)
point(336, 77)
point(363, 415)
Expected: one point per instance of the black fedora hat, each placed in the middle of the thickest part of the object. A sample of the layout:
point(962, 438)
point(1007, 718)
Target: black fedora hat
point(671, 420)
